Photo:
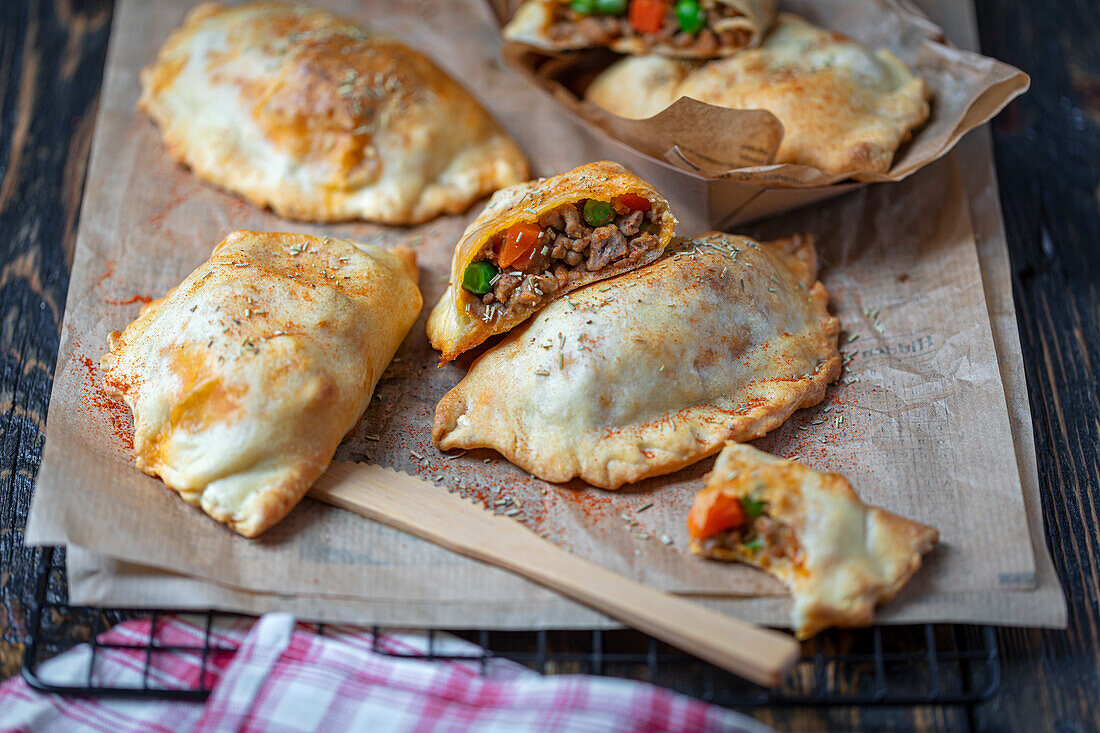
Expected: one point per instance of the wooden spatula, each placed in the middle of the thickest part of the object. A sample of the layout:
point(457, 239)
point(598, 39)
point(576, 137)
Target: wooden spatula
point(421, 509)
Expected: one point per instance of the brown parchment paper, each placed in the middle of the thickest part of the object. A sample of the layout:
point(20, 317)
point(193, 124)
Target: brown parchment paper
point(925, 429)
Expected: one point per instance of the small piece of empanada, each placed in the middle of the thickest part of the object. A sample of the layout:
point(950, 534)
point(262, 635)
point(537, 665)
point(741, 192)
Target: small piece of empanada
point(839, 556)
point(539, 240)
point(297, 109)
point(843, 108)
point(722, 339)
point(715, 28)
point(245, 377)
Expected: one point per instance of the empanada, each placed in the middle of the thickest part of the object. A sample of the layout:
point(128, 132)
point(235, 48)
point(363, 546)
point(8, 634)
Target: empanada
point(297, 109)
point(637, 87)
point(843, 108)
point(722, 339)
point(245, 377)
point(839, 556)
point(539, 240)
point(688, 29)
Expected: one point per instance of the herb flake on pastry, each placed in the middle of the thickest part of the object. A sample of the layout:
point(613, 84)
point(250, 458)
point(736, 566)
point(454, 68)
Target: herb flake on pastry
point(843, 108)
point(721, 339)
point(684, 28)
point(839, 556)
point(243, 379)
point(542, 239)
point(305, 112)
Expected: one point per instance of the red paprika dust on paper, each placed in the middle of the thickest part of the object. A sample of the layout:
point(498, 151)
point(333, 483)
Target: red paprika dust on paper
point(136, 299)
point(120, 425)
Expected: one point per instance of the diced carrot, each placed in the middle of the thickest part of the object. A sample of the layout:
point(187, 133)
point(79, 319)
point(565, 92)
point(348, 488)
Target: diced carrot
point(635, 202)
point(647, 16)
point(714, 512)
point(518, 245)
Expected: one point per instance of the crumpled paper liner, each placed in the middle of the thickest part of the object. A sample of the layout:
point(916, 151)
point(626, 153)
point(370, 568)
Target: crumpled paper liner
point(727, 146)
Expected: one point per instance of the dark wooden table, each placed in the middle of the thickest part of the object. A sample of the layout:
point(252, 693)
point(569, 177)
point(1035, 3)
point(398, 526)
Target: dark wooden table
point(1048, 162)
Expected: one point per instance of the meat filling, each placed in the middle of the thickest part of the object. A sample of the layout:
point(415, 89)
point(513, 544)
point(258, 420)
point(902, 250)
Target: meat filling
point(764, 539)
point(559, 251)
point(570, 26)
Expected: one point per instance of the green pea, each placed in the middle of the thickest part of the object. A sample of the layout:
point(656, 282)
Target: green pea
point(753, 507)
point(478, 277)
point(598, 213)
point(755, 545)
point(611, 7)
point(691, 17)
point(583, 7)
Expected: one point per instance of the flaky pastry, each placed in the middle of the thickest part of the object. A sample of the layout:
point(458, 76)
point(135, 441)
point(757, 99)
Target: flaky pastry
point(300, 110)
point(839, 556)
point(723, 338)
point(843, 108)
point(542, 239)
point(244, 378)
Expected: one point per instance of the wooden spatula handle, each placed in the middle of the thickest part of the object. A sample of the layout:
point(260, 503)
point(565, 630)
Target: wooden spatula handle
point(421, 509)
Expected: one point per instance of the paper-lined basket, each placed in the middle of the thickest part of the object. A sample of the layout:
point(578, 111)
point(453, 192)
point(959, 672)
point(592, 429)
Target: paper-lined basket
point(708, 159)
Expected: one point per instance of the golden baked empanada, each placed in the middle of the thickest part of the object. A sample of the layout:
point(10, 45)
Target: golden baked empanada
point(698, 29)
point(839, 556)
point(722, 339)
point(843, 108)
point(245, 377)
point(297, 109)
point(539, 240)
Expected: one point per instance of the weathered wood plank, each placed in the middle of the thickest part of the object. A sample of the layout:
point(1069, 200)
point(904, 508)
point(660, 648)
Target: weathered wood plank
point(51, 65)
point(1048, 162)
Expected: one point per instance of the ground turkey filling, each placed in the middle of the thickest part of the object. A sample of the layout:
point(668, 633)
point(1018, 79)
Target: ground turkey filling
point(602, 30)
point(764, 539)
point(568, 249)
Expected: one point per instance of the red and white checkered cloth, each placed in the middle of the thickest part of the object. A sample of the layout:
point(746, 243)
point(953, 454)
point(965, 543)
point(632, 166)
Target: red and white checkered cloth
point(284, 677)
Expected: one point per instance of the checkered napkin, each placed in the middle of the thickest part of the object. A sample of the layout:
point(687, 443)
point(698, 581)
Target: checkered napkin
point(285, 677)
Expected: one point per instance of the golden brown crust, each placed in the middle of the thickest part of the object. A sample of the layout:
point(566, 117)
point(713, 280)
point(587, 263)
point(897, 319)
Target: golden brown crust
point(451, 329)
point(657, 368)
point(245, 377)
point(843, 108)
point(853, 556)
point(302, 111)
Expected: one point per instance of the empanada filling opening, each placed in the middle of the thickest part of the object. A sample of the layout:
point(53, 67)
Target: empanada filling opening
point(522, 267)
point(743, 526)
point(700, 26)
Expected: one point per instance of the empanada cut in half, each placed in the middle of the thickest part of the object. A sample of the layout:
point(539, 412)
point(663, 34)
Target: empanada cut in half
point(844, 108)
point(839, 556)
point(244, 378)
point(638, 87)
point(721, 339)
point(307, 113)
point(542, 239)
point(687, 28)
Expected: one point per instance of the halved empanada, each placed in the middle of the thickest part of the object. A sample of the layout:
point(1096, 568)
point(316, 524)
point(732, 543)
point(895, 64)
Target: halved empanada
point(539, 240)
point(844, 109)
point(295, 108)
point(721, 339)
point(245, 377)
point(839, 556)
point(700, 29)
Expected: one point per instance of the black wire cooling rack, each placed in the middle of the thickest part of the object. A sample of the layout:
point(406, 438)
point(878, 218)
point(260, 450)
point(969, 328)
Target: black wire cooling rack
point(930, 664)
